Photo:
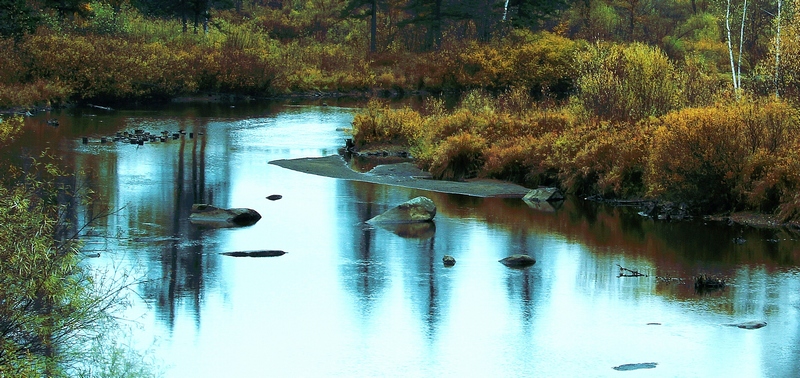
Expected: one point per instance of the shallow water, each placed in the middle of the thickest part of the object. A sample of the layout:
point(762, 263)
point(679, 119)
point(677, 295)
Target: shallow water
point(350, 300)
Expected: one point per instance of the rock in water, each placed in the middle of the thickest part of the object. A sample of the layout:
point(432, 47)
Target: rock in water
point(213, 216)
point(753, 324)
point(420, 209)
point(448, 260)
point(518, 261)
point(643, 365)
point(543, 194)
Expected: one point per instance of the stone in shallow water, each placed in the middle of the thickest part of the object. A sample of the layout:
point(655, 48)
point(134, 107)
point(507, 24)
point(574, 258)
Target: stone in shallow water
point(642, 365)
point(518, 261)
point(448, 260)
point(215, 217)
point(753, 324)
point(420, 209)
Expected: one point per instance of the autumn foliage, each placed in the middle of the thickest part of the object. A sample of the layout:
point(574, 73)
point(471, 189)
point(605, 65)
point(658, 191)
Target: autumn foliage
point(735, 155)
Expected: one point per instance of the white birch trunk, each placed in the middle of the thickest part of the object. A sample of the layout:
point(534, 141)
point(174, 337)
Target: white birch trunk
point(778, 51)
point(741, 44)
point(505, 10)
point(730, 46)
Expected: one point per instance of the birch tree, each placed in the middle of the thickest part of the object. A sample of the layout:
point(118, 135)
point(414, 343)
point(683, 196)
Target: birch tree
point(730, 45)
point(778, 50)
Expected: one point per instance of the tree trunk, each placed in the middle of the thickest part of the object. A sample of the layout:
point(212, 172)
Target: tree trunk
point(206, 16)
point(373, 28)
point(778, 52)
point(436, 27)
point(184, 20)
point(632, 15)
point(730, 46)
point(741, 43)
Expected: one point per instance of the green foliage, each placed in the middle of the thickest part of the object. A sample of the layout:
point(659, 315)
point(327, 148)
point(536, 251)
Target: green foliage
point(17, 18)
point(627, 83)
point(52, 308)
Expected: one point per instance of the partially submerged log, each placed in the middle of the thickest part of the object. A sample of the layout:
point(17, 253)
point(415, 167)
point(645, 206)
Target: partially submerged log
point(265, 253)
point(625, 272)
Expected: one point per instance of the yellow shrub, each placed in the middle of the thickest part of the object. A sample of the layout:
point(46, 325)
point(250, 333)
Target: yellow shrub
point(378, 124)
point(698, 155)
point(627, 83)
point(458, 157)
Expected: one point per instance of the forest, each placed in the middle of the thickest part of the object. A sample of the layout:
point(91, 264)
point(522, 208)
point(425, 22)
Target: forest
point(680, 100)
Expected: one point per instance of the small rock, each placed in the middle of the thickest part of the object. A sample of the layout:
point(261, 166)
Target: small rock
point(518, 261)
point(448, 260)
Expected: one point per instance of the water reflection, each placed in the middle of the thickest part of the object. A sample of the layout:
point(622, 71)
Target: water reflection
point(365, 301)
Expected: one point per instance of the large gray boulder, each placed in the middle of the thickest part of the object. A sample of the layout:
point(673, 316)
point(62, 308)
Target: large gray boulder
point(215, 217)
point(420, 209)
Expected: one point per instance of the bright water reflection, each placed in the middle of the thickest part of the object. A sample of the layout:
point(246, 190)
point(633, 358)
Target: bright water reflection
point(352, 300)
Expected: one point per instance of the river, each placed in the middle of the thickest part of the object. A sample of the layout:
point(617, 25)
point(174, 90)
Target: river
point(350, 300)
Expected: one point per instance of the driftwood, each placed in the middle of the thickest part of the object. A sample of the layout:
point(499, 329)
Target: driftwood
point(625, 272)
point(100, 107)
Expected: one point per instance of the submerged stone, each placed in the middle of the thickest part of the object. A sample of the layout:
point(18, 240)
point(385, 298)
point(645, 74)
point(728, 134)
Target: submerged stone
point(753, 324)
point(643, 365)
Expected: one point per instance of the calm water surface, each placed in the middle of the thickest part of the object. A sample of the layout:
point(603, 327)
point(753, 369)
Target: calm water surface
point(350, 300)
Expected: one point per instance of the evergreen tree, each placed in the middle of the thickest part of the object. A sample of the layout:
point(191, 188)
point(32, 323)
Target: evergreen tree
point(16, 18)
